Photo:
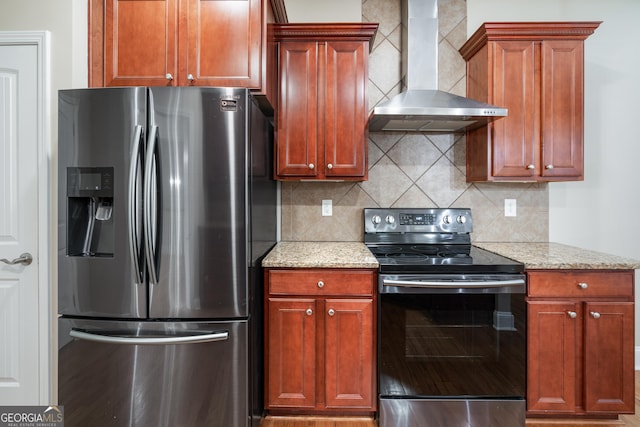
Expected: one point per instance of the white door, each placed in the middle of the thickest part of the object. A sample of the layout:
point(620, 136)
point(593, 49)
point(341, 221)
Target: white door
point(20, 332)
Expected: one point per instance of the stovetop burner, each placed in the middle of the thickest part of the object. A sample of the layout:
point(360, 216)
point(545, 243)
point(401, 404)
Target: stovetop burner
point(429, 241)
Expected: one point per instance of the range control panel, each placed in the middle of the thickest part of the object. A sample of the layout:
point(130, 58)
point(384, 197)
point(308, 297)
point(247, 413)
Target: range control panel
point(416, 220)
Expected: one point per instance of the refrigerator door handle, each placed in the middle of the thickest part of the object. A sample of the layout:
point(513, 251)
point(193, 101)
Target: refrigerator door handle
point(134, 244)
point(137, 340)
point(149, 212)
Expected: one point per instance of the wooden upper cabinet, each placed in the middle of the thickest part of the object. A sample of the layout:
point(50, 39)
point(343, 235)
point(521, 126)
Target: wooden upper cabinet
point(183, 43)
point(536, 71)
point(140, 42)
point(345, 104)
point(321, 120)
point(297, 114)
point(223, 43)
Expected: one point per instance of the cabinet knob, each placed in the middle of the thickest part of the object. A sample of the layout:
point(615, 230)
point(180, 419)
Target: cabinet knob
point(168, 76)
point(572, 314)
point(321, 284)
point(309, 312)
point(331, 312)
point(190, 77)
point(549, 167)
point(595, 314)
point(311, 166)
point(530, 167)
point(583, 285)
point(329, 166)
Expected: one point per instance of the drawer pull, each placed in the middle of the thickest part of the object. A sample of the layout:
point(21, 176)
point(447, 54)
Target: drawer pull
point(595, 314)
point(309, 312)
point(572, 314)
point(321, 284)
point(583, 285)
point(331, 312)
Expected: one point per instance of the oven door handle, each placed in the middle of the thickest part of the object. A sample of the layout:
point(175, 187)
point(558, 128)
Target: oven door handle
point(454, 284)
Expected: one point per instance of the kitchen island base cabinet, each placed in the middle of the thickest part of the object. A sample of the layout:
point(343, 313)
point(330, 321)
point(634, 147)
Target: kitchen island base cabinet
point(580, 343)
point(320, 341)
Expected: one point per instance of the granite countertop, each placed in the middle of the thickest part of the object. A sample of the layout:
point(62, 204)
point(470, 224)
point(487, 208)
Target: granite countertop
point(320, 255)
point(558, 256)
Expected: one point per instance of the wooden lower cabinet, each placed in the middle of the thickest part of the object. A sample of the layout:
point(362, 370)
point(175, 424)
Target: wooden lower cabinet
point(320, 343)
point(580, 343)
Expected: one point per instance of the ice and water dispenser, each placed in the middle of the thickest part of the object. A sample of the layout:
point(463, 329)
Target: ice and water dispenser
point(90, 223)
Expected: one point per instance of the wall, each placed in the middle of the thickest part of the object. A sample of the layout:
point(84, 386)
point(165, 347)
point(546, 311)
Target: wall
point(599, 213)
point(413, 170)
point(323, 11)
point(67, 22)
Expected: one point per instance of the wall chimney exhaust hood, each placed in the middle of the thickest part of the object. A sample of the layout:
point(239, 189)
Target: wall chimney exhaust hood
point(421, 107)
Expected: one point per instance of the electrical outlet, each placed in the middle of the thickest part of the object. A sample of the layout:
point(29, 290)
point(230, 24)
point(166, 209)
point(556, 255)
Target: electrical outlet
point(509, 207)
point(327, 207)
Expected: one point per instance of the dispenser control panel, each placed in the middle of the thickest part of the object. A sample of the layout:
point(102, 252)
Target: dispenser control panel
point(89, 182)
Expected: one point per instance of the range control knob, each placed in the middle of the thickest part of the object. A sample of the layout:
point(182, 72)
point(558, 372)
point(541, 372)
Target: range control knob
point(446, 219)
point(390, 219)
point(461, 219)
point(376, 219)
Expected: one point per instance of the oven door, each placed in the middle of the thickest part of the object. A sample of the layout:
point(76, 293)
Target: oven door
point(452, 350)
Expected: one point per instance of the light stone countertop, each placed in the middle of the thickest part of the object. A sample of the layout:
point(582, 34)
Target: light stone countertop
point(320, 255)
point(558, 256)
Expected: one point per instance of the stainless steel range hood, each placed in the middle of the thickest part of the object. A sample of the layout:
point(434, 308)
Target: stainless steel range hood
point(421, 107)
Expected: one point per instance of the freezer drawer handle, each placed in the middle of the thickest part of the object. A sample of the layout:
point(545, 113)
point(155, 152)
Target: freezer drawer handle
point(109, 339)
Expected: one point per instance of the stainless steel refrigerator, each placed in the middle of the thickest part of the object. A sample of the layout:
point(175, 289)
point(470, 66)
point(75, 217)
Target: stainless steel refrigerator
point(166, 207)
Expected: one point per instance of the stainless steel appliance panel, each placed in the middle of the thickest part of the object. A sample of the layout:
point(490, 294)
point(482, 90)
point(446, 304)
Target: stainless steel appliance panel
point(100, 133)
point(197, 160)
point(452, 413)
point(121, 374)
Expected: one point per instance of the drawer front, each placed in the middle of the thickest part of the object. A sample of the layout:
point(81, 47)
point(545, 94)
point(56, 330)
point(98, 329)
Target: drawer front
point(582, 283)
point(321, 282)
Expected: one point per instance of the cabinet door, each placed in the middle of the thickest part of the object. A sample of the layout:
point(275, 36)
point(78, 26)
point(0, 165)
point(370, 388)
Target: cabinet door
point(345, 109)
point(515, 136)
point(553, 340)
point(291, 353)
point(140, 42)
point(562, 108)
point(297, 118)
point(223, 43)
point(349, 378)
point(608, 357)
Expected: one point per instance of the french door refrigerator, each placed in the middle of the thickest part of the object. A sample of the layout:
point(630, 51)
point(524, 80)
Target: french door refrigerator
point(166, 207)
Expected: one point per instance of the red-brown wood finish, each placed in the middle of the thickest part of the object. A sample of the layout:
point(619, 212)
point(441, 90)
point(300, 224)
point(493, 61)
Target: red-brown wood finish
point(348, 346)
point(291, 340)
point(184, 43)
point(580, 343)
point(224, 43)
point(609, 357)
point(140, 42)
point(535, 70)
point(552, 345)
point(297, 113)
point(337, 357)
point(322, 134)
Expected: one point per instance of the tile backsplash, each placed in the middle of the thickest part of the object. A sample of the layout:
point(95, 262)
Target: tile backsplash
point(411, 169)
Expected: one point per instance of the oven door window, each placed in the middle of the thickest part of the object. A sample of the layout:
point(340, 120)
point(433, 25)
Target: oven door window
point(437, 345)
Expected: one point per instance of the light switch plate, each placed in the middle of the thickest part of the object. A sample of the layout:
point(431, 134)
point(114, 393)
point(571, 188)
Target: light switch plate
point(327, 207)
point(509, 207)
